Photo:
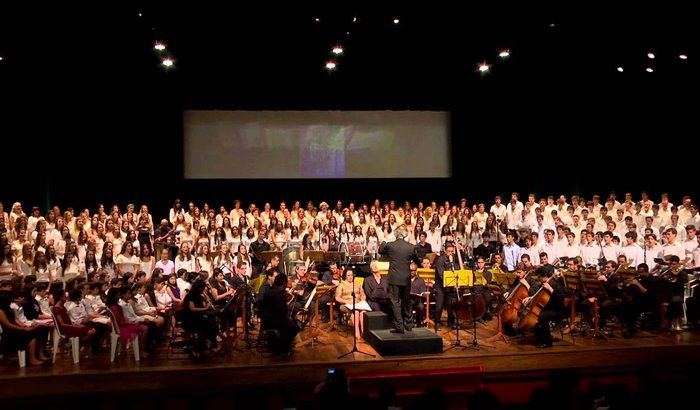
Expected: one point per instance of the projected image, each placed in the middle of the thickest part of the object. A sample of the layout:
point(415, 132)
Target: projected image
point(316, 144)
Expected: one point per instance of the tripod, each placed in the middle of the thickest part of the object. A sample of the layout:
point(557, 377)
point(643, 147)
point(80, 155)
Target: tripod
point(354, 333)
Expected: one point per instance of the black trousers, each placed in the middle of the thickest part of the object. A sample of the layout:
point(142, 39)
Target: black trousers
point(401, 305)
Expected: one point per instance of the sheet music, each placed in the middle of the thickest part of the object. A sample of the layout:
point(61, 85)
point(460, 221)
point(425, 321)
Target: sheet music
point(363, 305)
point(310, 298)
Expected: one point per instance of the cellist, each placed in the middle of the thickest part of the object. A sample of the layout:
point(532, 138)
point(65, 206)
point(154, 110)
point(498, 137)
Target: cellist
point(554, 310)
point(523, 286)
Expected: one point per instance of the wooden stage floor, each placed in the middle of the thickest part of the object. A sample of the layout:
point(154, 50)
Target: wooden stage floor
point(498, 366)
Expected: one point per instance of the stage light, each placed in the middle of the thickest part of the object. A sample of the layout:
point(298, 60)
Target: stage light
point(396, 21)
point(337, 50)
point(168, 62)
point(683, 56)
point(330, 66)
point(354, 19)
point(140, 14)
point(649, 70)
point(159, 46)
point(651, 55)
point(484, 68)
point(504, 54)
point(0, 58)
point(317, 19)
point(620, 69)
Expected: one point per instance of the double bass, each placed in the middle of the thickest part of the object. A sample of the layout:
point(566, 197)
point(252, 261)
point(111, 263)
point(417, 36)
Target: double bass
point(530, 312)
point(470, 306)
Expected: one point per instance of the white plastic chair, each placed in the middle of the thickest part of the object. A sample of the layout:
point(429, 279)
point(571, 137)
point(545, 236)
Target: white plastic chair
point(21, 354)
point(58, 336)
point(116, 339)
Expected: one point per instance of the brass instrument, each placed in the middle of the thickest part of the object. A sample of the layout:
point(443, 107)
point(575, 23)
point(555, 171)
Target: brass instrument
point(672, 272)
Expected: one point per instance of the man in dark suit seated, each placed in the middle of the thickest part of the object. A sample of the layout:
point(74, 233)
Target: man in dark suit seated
point(275, 316)
point(400, 254)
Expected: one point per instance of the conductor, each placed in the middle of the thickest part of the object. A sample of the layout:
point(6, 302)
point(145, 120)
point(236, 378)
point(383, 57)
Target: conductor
point(400, 253)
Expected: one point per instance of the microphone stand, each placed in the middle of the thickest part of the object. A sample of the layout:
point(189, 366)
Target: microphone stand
point(354, 333)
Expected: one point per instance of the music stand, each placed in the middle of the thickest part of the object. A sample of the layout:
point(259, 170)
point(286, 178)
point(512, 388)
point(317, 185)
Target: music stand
point(314, 256)
point(497, 293)
point(504, 279)
point(316, 295)
point(354, 333)
point(595, 288)
point(456, 279)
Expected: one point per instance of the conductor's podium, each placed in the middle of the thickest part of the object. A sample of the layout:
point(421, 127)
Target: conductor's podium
point(420, 340)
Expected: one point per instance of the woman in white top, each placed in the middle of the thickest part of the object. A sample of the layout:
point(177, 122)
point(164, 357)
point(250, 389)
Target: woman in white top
point(163, 299)
point(243, 255)
point(26, 260)
point(248, 238)
point(204, 261)
point(184, 259)
point(372, 240)
point(127, 261)
point(166, 264)
point(224, 260)
point(70, 266)
point(235, 238)
point(8, 265)
point(278, 236)
point(147, 261)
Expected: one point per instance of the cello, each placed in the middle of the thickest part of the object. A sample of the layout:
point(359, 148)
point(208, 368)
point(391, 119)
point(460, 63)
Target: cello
point(530, 312)
point(509, 314)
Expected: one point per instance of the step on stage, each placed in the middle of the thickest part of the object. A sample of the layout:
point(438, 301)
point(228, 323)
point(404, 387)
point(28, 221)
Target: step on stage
point(418, 341)
point(511, 370)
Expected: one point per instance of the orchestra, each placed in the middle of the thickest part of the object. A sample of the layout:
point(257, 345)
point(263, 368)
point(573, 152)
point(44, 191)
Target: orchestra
point(627, 275)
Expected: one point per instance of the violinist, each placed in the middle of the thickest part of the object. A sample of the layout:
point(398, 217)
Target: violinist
point(329, 278)
point(301, 289)
point(554, 310)
point(275, 316)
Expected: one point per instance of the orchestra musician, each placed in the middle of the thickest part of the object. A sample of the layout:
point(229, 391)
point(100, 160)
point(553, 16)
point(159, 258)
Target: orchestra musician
point(553, 311)
point(221, 292)
point(418, 287)
point(275, 316)
point(445, 262)
point(198, 316)
point(240, 279)
point(301, 289)
point(677, 278)
point(376, 288)
point(525, 280)
point(483, 288)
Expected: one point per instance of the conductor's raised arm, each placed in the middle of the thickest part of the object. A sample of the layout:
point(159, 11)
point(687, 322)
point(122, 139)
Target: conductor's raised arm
point(382, 248)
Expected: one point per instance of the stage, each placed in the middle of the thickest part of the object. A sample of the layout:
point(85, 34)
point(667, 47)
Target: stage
point(510, 370)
